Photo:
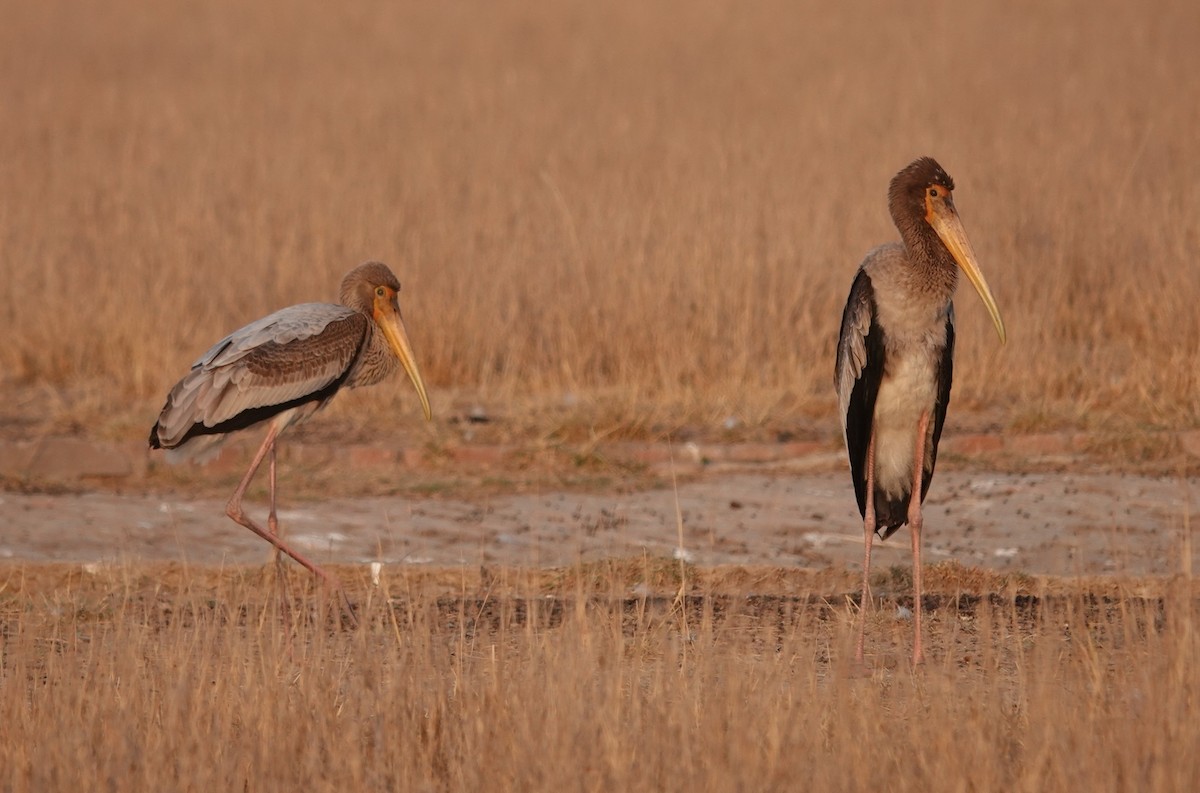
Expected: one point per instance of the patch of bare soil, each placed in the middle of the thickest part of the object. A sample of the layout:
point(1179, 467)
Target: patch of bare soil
point(1060, 524)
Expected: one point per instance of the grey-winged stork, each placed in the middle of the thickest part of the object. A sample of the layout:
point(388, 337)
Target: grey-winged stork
point(279, 371)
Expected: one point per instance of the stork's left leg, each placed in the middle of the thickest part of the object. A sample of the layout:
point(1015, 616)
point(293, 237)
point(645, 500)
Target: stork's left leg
point(914, 527)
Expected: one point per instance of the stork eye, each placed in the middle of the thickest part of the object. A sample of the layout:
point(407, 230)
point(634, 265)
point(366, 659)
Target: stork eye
point(380, 292)
point(933, 192)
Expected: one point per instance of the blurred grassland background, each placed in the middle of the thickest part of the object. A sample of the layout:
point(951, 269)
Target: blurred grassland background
point(641, 214)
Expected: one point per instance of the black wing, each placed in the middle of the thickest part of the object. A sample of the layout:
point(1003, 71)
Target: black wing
point(859, 370)
point(945, 373)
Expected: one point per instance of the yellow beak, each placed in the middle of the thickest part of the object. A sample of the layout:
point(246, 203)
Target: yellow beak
point(950, 230)
point(387, 317)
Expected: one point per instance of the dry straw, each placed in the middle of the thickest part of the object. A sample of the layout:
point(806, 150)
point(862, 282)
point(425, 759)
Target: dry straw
point(657, 207)
point(166, 680)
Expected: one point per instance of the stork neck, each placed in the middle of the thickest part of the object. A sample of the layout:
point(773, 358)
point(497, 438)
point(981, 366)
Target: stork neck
point(376, 361)
point(931, 261)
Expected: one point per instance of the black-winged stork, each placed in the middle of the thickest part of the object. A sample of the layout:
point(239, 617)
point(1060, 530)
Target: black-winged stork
point(895, 358)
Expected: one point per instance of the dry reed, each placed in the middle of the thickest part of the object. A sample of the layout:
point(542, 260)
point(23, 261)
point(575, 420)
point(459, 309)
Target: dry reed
point(200, 684)
point(650, 211)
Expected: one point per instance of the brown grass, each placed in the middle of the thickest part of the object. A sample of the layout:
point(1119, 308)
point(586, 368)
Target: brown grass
point(655, 209)
point(176, 679)
point(611, 220)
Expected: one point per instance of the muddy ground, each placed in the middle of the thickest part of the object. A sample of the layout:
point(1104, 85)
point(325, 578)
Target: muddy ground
point(782, 514)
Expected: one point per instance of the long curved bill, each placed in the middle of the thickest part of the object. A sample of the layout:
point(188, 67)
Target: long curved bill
point(950, 229)
point(397, 338)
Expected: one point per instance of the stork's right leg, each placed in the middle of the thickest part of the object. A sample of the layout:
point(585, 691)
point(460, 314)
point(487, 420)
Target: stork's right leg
point(234, 510)
point(868, 538)
point(272, 517)
point(915, 521)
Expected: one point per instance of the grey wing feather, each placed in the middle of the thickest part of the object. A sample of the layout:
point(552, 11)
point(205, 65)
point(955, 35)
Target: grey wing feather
point(286, 325)
point(276, 360)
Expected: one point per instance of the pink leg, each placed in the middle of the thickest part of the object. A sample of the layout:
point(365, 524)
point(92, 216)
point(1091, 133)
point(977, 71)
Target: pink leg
point(273, 527)
point(914, 526)
point(272, 518)
point(868, 538)
point(234, 510)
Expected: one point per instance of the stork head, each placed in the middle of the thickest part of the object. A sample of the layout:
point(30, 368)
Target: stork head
point(372, 288)
point(921, 200)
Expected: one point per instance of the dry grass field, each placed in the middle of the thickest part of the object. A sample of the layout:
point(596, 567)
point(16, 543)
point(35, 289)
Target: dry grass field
point(612, 221)
point(169, 679)
point(617, 217)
